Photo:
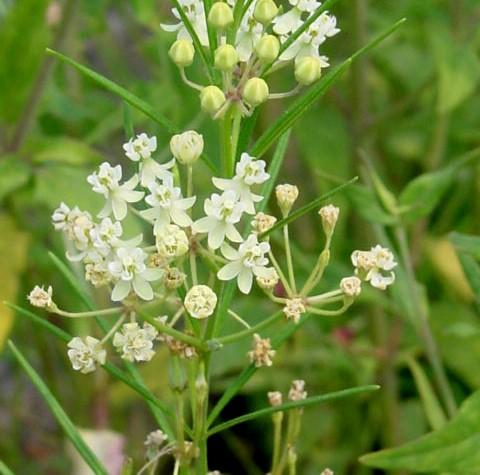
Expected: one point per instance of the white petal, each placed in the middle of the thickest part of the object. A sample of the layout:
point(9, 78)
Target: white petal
point(142, 288)
point(233, 234)
point(121, 290)
point(203, 225)
point(245, 279)
point(230, 253)
point(180, 217)
point(217, 235)
point(119, 207)
point(229, 271)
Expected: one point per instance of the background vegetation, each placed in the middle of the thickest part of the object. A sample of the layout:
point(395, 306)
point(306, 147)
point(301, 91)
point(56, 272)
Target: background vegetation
point(410, 109)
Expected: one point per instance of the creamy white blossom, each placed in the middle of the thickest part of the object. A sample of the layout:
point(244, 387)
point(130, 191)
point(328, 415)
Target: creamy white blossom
point(167, 205)
point(41, 298)
point(85, 354)
point(131, 273)
point(268, 280)
point(223, 212)
point(297, 390)
point(155, 439)
point(351, 286)
point(371, 265)
point(294, 309)
point(248, 261)
point(293, 19)
point(200, 301)
point(249, 172)
point(187, 147)
point(262, 352)
point(248, 35)
point(172, 242)
point(263, 222)
point(107, 183)
point(135, 343)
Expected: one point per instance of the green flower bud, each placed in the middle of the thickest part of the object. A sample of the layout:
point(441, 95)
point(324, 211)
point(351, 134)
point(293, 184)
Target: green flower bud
point(265, 11)
point(220, 16)
point(267, 48)
point(308, 70)
point(211, 99)
point(182, 53)
point(255, 91)
point(226, 57)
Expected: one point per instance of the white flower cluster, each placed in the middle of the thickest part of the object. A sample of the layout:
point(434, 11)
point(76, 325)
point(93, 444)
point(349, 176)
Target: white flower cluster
point(372, 265)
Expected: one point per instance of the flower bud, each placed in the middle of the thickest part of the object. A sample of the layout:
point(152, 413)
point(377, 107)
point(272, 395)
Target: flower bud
point(329, 216)
point(308, 70)
point(41, 298)
point(262, 222)
point(172, 242)
point(268, 280)
point(267, 48)
point(182, 53)
point(220, 15)
point(200, 301)
point(226, 57)
point(255, 91)
point(351, 286)
point(286, 197)
point(265, 11)
point(174, 278)
point(211, 99)
point(275, 398)
point(187, 147)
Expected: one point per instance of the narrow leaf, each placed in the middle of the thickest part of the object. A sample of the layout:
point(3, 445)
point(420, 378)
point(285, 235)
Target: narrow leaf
point(127, 122)
point(293, 405)
point(69, 428)
point(466, 243)
point(471, 268)
point(4, 470)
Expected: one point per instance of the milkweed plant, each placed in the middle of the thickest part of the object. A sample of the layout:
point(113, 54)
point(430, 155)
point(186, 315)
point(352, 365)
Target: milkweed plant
point(198, 257)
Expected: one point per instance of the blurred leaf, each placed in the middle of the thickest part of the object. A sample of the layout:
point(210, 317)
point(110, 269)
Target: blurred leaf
point(14, 173)
point(472, 272)
point(4, 470)
point(453, 448)
point(466, 243)
point(69, 428)
point(13, 256)
point(66, 151)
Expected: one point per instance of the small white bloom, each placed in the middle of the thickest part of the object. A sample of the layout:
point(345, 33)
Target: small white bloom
point(130, 271)
point(351, 286)
point(41, 298)
point(294, 309)
point(249, 172)
point(135, 343)
point(269, 280)
point(262, 352)
point(142, 146)
point(96, 270)
point(248, 35)
point(172, 242)
point(155, 439)
point(329, 215)
point(106, 235)
point(187, 147)
point(85, 354)
point(200, 301)
point(275, 398)
point(297, 390)
point(263, 222)
point(107, 182)
point(223, 212)
point(167, 205)
point(370, 265)
point(248, 261)
point(290, 21)
point(286, 196)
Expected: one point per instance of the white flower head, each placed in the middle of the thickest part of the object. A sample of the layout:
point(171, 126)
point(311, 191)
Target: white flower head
point(131, 273)
point(297, 390)
point(96, 271)
point(155, 439)
point(351, 286)
point(200, 301)
point(371, 265)
point(291, 20)
point(223, 212)
point(85, 354)
point(268, 280)
point(329, 215)
point(248, 35)
point(41, 298)
point(135, 343)
point(140, 147)
point(106, 235)
point(248, 261)
point(262, 352)
point(172, 242)
point(286, 196)
point(167, 205)
point(294, 309)
point(249, 172)
point(107, 182)
point(263, 222)
point(187, 147)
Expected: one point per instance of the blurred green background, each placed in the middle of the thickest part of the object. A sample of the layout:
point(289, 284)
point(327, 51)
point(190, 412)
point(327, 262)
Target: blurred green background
point(412, 107)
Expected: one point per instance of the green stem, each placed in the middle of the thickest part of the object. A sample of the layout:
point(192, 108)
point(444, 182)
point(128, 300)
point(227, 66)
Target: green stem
point(94, 313)
point(280, 273)
point(237, 122)
point(277, 439)
point(288, 254)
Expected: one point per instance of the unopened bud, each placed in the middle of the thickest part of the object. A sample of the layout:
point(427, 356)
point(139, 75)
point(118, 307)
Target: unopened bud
point(351, 286)
point(268, 280)
point(255, 91)
point(187, 147)
point(275, 398)
point(286, 197)
point(226, 57)
point(329, 216)
point(265, 11)
point(182, 53)
point(267, 48)
point(174, 278)
point(220, 16)
point(211, 99)
point(308, 70)
point(263, 222)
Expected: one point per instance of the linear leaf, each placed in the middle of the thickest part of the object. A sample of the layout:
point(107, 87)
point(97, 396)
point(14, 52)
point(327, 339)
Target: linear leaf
point(466, 243)
point(293, 405)
point(307, 208)
point(67, 425)
point(4, 470)
point(303, 103)
point(127, 122)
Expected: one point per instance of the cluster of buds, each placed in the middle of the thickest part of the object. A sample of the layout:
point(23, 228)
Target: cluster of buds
point(247, 48)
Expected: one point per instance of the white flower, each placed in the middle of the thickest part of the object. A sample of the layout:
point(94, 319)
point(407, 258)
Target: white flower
point(106, 235)
point(269, 280)
point(187, 147)
point(195, 12)
point(351, 286)
point(297, 390)
point(262, 352)
point(370, 264)
point(200, 301)
point(309, 42)
point(107, 182)
point(294, 309)
point(275, 398)
point(172, 242)
point(135, 343)
point(329, 215)
point(248, 35)
point(263, 222)
point(290, 21)
point(85, 354)
point(167, 205)
point(41, 298)
point(96, 270)
point(249, 172)
point(155, 439)
point(223, 212)
point(248, 261)
point(130, 271)
point(286, 196)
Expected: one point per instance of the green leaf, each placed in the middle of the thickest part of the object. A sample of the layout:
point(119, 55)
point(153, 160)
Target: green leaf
point(453, 448)
point(423, 193)
point(303, 103)
point(471, 268)
point(466, 243)
point(66, 151)
point(69, 428)
point(127, 122)
point(4, 470)
point(308, 207)
point(293, 405)
point(14, 173)
point(365, 201)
